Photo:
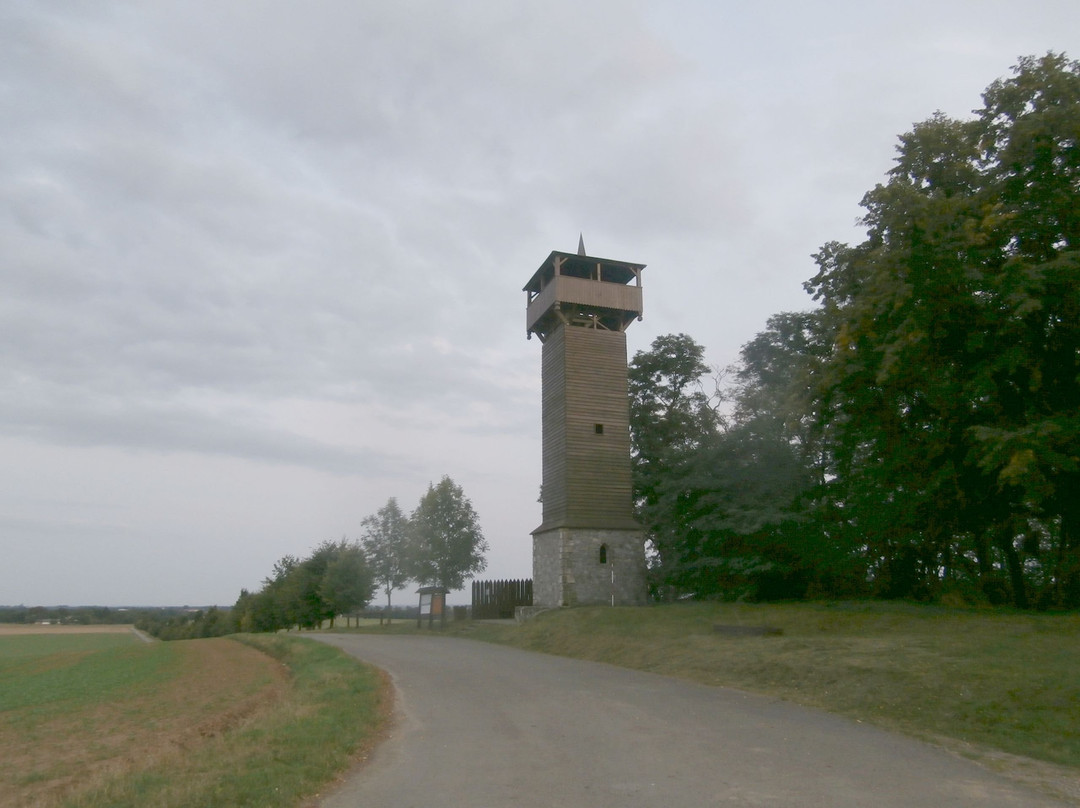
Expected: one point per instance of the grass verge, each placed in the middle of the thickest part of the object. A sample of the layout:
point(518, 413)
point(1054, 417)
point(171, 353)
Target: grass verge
point(105, 721)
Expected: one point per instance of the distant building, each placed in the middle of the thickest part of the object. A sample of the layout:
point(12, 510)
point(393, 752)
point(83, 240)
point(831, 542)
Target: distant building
point(589, 549)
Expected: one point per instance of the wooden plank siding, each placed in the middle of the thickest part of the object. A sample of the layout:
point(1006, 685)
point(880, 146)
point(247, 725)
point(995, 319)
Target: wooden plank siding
point(553, 408)
point(586, 475)
point(583, 292)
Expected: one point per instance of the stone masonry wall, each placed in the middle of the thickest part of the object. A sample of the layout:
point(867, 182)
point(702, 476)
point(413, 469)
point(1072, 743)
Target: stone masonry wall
point(568, 570)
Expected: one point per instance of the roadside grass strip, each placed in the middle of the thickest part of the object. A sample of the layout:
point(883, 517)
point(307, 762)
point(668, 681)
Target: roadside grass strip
point(105, 720)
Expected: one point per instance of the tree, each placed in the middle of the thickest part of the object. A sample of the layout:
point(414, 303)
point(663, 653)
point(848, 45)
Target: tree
point(670, 417)
point(724, 498)
point(774, 428)
point(335, 579)
point(447, 545)
point(269, 609)
point(304, 606)
point(347, 582)
point(669, 409)
point(735, 521)
point(951, 395)
point(385, 538)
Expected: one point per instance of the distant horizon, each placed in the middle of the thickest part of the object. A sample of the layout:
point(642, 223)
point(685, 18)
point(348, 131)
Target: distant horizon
point(373, 606)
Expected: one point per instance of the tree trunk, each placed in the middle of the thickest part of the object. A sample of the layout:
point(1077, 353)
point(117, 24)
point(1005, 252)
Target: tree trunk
point(1016, 569)
point(1069, 552)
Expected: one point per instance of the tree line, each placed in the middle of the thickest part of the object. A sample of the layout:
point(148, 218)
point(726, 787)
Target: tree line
point(439, 544)
point(917, 434)
point(86, 615)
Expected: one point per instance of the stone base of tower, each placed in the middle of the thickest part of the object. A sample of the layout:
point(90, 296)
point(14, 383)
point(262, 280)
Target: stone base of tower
point(588, 566)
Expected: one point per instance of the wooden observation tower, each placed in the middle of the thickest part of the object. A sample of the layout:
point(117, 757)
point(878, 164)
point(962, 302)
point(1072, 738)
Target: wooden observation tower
point(589, 549)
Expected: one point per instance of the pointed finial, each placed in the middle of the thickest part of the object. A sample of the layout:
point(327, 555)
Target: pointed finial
point(580, 245)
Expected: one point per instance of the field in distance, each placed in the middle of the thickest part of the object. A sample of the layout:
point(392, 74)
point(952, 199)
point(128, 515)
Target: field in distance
point(99, 718)
point(12, 629)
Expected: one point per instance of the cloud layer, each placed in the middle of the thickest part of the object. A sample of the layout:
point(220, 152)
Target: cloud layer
point(267, 241)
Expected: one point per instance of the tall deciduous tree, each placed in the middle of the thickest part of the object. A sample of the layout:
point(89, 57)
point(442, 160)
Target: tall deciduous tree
point(386, 540)
point(951, 397)
point(447, 544)
point(671, 416)
point(722, 497)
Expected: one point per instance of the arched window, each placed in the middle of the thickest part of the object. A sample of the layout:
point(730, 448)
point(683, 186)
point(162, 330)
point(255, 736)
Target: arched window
point(603, 553)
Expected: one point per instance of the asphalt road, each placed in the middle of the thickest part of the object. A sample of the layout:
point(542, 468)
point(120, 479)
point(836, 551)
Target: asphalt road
point(482, 725)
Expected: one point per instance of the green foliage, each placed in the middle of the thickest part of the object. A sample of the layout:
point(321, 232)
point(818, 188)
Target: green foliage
point(188, 624)
point(670, 418)
point(346, 584)
point(442, 544)
point(919, 434)
point(335, 579)
point(721, 497)
point(950, 397)
point(385, 539)
point(446, 542)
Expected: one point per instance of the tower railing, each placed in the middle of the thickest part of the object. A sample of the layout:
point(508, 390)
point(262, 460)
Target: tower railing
point(582, 292)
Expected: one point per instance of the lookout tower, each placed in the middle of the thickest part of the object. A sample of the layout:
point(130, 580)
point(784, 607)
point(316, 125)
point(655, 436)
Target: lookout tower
point(589, 549)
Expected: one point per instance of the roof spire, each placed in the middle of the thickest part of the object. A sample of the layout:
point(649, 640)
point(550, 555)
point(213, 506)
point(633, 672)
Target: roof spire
point(580, 245)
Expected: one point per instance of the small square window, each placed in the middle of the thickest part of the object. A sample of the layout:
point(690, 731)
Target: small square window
point(599, 428)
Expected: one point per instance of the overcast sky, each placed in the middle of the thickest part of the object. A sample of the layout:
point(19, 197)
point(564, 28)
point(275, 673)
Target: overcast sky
point(261, 262)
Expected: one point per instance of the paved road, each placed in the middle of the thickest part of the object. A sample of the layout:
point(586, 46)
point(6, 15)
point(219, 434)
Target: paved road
point(481, 725)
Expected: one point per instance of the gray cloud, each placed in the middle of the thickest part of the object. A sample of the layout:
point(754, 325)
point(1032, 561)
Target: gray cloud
point(295, 235)
point(173, 426)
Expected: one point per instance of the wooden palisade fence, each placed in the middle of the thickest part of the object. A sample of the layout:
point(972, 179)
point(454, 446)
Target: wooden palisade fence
point(493, 600)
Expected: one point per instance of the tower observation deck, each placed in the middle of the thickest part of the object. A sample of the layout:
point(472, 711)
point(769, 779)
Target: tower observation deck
point(571, 289)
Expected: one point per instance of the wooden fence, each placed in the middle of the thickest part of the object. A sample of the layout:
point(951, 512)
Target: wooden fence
point(495, 600)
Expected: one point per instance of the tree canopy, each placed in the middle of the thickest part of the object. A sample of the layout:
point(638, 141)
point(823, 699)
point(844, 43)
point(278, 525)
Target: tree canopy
point(919, 432)
point(446, 542)
point(385, 539)
point(951, 393)
point(334, 579)
point(441, 544)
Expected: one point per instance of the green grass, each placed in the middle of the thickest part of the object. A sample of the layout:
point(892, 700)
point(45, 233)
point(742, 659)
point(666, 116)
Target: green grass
point(997, 680)
point(333, 710)
point(98, 720)
point(53, 675)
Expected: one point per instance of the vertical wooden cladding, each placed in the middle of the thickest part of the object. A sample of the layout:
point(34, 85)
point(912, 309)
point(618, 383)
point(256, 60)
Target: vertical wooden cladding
point(553, 407)
point(586, 476)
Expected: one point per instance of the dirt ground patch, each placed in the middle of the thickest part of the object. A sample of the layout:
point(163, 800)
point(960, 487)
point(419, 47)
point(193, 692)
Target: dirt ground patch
point(201, 689)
